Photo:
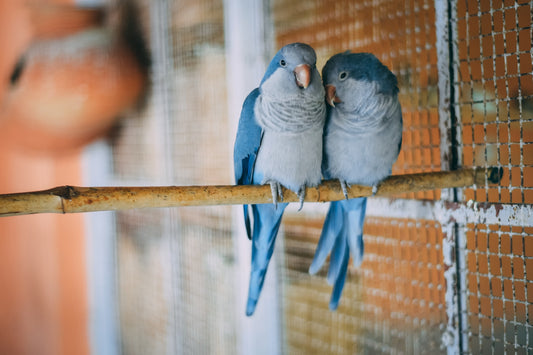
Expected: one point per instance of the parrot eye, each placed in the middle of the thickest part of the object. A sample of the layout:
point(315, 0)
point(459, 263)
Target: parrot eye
point(283, 63)
point(343, 75)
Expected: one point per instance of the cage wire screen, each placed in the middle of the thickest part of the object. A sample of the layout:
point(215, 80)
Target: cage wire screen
point(493, 87)
point(428, 284)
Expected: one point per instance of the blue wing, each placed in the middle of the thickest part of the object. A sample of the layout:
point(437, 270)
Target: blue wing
point(246, 147)
point(342, 235)
point(266, 217)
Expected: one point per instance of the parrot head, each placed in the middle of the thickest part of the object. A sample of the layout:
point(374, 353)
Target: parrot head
point(292, 72)
point(349, 75)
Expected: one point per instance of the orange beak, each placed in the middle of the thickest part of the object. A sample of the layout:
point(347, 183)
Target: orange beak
point(302, 73)
point(331, 95)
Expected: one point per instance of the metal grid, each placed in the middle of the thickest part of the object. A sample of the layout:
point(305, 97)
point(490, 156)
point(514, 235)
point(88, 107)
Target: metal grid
point(493, 108)
point(494, 95)
point(394, 303)
point(499, 293)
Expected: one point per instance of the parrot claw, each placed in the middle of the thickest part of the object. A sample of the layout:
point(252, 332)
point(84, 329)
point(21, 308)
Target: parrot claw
point(344, 187)
point(301, 196)
point(374, 190)
point(275, 188)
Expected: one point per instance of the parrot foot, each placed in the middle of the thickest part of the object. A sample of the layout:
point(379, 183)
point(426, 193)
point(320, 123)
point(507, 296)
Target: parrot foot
point(301, 196)
point(344, 187)
point(374, 189)
point(275, 187)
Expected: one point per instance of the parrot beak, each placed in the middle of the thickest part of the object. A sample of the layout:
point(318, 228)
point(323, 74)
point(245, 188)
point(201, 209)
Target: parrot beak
point(302, 74)
point(331, 95)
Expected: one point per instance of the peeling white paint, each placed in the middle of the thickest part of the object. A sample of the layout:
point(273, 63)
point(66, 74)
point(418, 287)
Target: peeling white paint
point(482, 213)
point(450, 212)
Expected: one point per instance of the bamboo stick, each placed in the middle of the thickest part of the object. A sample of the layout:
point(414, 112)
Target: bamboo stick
point(72, 199)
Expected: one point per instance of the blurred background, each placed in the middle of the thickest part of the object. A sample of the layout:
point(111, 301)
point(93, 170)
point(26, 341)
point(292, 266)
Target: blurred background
point(102, 93)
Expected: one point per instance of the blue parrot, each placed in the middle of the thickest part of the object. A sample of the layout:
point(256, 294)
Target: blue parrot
point(279, 142)
point(362, 139)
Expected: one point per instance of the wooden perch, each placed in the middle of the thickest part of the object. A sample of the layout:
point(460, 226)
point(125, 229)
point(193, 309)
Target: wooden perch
point(72, 199)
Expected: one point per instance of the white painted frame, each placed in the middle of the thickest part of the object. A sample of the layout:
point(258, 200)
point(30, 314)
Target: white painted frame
point(249, 43)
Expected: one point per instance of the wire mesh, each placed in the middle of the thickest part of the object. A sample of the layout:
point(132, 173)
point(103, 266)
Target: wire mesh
point(494, 88)
point(393, 303)
point(493, 105)
point(499, 275)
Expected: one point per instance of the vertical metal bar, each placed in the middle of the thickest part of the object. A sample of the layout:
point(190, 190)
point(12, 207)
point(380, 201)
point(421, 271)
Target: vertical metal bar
point(499, 146)
point(461, 290)
point(451, 336)
point(519, 104)
point(452, 244)
point(248, 46)
point(447, 72)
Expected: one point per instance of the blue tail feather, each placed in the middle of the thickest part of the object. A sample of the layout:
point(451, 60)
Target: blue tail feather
point(330, 232)
point(339, 282)
point(354, 215)
point(267, 220)
point(342, 236)
point(337, 256)
point(247, 221)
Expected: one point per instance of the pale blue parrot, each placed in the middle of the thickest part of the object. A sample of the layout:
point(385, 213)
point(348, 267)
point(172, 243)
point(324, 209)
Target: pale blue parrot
point(362, 139)
point(279, 141)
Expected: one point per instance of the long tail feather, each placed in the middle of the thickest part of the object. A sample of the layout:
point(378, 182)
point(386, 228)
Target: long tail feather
point(330, 233)
point(247, 221)
point(267, 220)
point(336, 261)
point(354, 215)
point(339, 282)
point(342, 236)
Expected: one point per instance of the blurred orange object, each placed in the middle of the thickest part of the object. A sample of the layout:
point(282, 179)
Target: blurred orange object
point(65, 92)
point(70, 91)
point(15, 36)
point(58, 20)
